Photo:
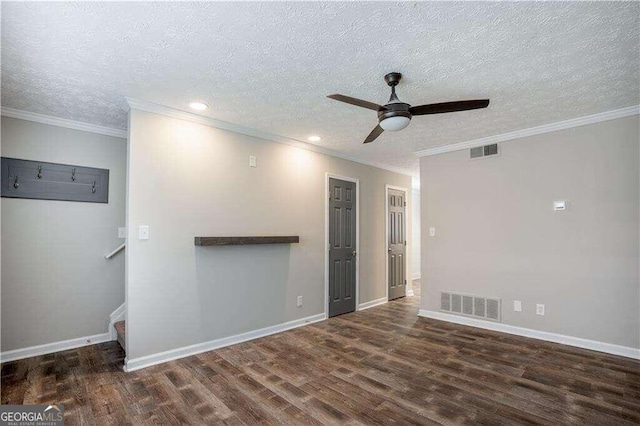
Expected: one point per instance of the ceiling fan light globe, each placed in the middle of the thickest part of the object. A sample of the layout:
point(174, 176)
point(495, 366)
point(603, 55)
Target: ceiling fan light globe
point(393, 124)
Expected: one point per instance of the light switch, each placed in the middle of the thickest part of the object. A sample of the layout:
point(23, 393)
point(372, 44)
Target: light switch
point(143, 232)
point(517, 306)
point(540, 309)
point(122, 232)
point(432, 232)
point(253, 161)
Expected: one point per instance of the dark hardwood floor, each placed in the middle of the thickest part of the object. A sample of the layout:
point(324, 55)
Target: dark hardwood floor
point(380, 366)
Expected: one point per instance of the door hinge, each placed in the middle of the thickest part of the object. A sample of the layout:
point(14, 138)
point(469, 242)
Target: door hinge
point(329, 194)
point(405, 243)
point(405, 282)
point(405, 204)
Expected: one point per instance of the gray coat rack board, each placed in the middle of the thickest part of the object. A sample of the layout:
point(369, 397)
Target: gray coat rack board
point(51, 181)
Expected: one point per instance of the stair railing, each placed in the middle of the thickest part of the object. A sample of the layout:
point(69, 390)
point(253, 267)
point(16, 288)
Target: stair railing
point(116, 251)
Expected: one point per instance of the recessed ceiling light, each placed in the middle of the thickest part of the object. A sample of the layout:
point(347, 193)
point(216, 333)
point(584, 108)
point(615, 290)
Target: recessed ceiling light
point(199, 106)
point(314, 138)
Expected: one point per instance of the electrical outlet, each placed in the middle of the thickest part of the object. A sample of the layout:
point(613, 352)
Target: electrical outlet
point(143, 232)
point(539, 309)
point(299, 301)
point(432, 232)
point(517, 306)
point(122, 232)
point(559, 206)
point(253, 161)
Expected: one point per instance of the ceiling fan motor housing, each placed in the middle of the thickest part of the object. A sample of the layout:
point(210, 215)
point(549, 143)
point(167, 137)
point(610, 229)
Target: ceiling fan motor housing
point(399, 109)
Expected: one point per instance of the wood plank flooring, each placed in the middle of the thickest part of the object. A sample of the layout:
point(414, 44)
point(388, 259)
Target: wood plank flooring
point(379, 366)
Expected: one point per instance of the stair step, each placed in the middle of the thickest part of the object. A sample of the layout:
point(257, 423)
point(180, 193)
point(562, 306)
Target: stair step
point(121, 330)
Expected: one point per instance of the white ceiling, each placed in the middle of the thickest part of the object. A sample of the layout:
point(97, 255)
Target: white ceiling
point(270, 65)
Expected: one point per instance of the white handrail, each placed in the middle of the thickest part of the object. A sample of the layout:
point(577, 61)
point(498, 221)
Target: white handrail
point(113, 253)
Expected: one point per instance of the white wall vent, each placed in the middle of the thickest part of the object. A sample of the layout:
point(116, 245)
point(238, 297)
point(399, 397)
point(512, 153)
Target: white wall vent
point(474, 306)
point(445, 301)
point(484, 151)
point(456, 303)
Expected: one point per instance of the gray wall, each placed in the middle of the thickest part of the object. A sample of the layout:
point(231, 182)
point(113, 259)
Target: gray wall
point(497, 234)
point(187, 180)
point(56, 283)
point(415, 226)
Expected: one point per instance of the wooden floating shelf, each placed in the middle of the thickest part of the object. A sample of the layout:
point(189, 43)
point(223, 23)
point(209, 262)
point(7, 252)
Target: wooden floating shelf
point(243, 241)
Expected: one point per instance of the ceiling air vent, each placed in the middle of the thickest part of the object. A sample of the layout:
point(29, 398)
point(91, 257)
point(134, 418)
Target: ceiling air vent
point(487, 308)
point(484, 151)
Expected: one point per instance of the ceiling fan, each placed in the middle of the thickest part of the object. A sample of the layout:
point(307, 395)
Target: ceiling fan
point(396, 115)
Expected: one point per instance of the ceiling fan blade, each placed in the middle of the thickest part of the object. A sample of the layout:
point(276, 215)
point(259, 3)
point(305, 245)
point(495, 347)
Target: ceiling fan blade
point(449, 107)
point(377, 131)
point(356, 102)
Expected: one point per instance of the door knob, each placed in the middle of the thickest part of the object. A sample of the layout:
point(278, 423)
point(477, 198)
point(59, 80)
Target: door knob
point(389, 249)
point(354, 253)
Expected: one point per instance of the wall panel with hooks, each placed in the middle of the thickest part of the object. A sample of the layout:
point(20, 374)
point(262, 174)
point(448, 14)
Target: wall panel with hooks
point(52, 181)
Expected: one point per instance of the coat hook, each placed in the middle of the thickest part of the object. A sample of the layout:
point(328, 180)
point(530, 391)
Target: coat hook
point(93, 188)
point(39, 172)
point(73, 174)
point(15, 182)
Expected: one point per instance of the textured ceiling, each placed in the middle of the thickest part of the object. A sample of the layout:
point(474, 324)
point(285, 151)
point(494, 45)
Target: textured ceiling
point(270, 65)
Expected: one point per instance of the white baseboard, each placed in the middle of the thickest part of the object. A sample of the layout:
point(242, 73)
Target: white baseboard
point(609, 348)
point(172, 354)
point(116, 316)
point(410, 293)
point(416, 276)
point(372, 303)
point(54, 347)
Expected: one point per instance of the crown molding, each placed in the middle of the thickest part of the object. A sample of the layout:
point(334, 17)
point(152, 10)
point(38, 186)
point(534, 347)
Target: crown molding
point(237, 128)
point(62, 122)
point(532, 131)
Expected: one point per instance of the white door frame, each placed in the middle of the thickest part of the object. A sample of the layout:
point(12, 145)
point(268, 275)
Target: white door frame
point(387, 187)
point(326, 238)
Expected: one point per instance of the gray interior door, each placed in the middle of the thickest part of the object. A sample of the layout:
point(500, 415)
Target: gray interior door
point(397, 243)
point(342, 247)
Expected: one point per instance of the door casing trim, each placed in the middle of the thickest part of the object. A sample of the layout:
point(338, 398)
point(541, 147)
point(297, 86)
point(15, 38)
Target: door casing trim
point(326, 238)
point(387, 187)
